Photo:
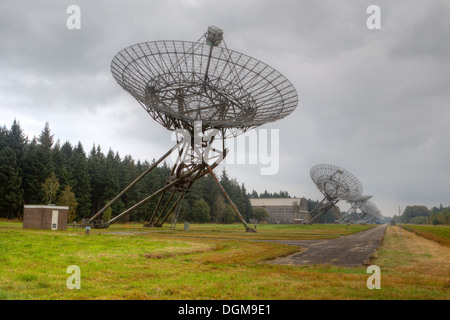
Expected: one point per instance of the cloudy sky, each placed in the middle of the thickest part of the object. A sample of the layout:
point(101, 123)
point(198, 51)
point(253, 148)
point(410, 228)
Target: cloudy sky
point(374, 102)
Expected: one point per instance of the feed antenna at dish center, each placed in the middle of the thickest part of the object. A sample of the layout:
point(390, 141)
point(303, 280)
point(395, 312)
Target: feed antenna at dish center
point(205, 92)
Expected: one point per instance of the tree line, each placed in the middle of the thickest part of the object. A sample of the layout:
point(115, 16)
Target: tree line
point(43, 171)
point(417, 214)
point(266, 194)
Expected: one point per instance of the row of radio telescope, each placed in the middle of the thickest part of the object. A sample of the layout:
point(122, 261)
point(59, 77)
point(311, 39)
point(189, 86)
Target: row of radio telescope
point(204, 88)
point(337, 184)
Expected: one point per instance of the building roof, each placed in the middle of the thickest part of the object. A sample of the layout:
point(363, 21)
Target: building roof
point(43, 206)
point(275, 202)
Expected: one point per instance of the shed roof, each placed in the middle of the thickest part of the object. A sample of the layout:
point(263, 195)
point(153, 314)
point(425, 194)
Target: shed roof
point(43, 206)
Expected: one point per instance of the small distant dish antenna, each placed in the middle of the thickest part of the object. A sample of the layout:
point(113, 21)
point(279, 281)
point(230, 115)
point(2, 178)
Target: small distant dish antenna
point(335, 184)
point(206, 91)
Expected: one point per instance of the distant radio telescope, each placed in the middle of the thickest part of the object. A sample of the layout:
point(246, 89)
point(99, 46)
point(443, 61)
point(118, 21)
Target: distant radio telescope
point(335, 184)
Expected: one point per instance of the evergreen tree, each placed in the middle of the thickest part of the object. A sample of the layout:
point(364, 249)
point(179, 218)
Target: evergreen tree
point(254, 194)
point(33, 167)
point(284, 194)
point(46, 138)
point(127, 174)
point(247, 210)
point(210, 193)
point(11, 193)
point(237, 197)
point(209, 189)
point(32, 179)
point(200, 211)
point(39, 165)
point(3, 137)
point(196, 192)
point(237, 194)
point(312, 204)
point(98, 179)
point(45, 143)
point(17, 140)
point(112, 187)
point(151, 183)
point(225, 179)
point(224, 213)
point(265, 195)
point(62, 163)
point(148, 185)
point(81, 181)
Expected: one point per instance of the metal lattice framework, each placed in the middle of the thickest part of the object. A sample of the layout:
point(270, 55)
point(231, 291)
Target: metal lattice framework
point(335, 184)
point(198, 87)
point(354, 213)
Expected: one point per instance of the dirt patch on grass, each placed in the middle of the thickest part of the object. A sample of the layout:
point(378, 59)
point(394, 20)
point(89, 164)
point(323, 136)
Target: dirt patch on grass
point(176, 252)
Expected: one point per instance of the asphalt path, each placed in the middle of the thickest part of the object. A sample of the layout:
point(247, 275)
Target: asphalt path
point(347, 251)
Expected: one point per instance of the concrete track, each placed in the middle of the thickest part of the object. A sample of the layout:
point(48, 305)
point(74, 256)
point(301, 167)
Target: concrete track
point(349, 251)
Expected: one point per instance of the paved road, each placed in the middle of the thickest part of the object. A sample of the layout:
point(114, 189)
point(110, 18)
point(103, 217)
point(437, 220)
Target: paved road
point(348, 251)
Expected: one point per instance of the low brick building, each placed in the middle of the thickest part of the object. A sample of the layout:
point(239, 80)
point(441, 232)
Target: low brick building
point(281, 210)
point(45, 217)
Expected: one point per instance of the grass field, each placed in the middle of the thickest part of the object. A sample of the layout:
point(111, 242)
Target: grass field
point(440, 234)
point(209, 262)
point(236, 231)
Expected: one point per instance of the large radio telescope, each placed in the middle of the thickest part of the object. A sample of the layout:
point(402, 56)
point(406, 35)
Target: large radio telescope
point(335, 184)
point(179, 82)
point(206, 90)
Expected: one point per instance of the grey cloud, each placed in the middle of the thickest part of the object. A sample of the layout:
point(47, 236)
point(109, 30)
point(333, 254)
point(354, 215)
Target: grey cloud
point(373, 102)
point(423, 32)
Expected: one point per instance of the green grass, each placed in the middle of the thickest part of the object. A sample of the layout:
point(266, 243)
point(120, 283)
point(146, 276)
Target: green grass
point(237, 231)
point(439, 234)
point(10, 224)
point(413, 267)
point(208, 262)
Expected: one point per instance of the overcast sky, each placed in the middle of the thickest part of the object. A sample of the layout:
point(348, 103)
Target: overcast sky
point(374, 102)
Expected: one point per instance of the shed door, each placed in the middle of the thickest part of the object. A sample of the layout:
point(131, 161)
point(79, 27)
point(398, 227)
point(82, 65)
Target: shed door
point(55, 219)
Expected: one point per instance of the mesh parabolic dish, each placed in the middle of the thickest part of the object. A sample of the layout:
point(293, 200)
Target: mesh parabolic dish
point(359, 199)
point(335, 182)
point(179, 82)
point(370, 208)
